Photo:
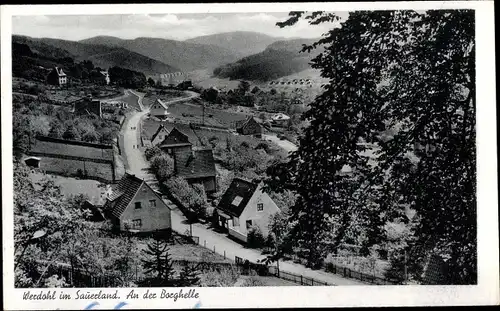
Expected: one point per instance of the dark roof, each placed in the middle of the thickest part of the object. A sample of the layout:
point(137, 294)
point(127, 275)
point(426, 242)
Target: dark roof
point(59, 71)
point(238, 188)
point(160, 128)
point(123, 192)
point(242, 124)
point(175, 137)
point(161, 103)
point(195, 163)
point(88, 106)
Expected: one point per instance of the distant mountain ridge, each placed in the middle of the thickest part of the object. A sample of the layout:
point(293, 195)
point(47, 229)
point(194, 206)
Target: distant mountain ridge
point(101, 55)
point(279, 59)
point(185, 55)
point(243, 42)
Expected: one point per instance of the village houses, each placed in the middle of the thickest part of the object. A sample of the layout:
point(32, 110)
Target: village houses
point(175, 140)
point(88, 106)
point(243, 206)
point(133, 205)
point(195, 165)
point(160, 134)
point(250, 126)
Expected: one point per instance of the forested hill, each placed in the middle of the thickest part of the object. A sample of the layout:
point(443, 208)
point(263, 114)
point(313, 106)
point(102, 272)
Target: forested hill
point(279, 59)
point(101, 55)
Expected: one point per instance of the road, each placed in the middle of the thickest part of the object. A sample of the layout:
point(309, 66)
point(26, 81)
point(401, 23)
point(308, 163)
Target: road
point(285, 144)
point(219, 242)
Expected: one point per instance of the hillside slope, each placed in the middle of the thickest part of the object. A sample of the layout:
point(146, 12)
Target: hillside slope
point(186, 56)
point(243, 42)
point(101, 55)
point(279, 59)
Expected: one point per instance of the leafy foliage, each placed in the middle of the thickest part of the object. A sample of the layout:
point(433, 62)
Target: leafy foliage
point(417, 71)
point(255, 238)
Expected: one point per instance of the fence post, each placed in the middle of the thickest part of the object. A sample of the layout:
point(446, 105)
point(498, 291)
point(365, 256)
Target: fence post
point(312, 282)
point(224, 254)
point(301, 281)
point(214, 248)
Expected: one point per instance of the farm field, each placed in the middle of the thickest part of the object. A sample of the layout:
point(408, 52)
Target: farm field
point(72, 186)
point(194, 113)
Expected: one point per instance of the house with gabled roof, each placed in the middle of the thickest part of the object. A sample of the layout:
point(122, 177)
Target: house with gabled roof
point(159, 109)
point(250, 126)
point(133, 205)
point(243, 206)
point(160, 134)
point(88, 106)
point(175, 141)
point(197, 166)
point(57, 77)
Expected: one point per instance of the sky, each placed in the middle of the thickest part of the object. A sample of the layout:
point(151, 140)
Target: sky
point(168, 26)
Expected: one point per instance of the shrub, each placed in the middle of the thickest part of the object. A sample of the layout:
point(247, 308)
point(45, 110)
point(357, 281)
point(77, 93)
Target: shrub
point(163, 166)
point(150, 152)
point(255, 238)
point(220, 277)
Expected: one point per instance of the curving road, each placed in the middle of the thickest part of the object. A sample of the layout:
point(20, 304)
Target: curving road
point(218, 242)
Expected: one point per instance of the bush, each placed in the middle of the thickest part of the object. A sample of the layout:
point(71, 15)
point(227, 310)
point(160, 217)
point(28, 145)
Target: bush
point(151, 152)
point(163, 166)
point(255, 238)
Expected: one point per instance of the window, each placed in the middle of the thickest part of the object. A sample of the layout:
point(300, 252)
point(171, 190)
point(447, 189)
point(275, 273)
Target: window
point(237, 200)
point(137, 205)
point(260, 207)
point(137, 223)
point(152, 203)
point(249, 224)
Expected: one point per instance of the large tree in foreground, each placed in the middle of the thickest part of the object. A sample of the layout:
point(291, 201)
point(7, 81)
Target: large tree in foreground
point(402, 84)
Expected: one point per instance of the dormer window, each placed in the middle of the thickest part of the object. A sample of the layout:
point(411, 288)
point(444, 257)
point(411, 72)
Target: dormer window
point(237, 200)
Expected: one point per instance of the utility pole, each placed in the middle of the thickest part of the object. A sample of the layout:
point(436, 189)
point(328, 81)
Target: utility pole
point(203, 115)
point(406, 270)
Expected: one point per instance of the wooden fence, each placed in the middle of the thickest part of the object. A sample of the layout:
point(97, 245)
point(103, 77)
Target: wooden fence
point(364, 277)
point(265, 270)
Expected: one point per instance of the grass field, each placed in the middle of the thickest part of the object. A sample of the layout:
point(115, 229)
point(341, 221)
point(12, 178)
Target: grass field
point(194, 113)
point(72, 186)
point(263, 281)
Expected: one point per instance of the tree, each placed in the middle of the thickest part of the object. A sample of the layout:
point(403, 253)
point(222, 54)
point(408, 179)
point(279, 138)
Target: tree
point(255, 238)
point(243, 87)
point(189, 276)
point(151, 82)
point(158, 263)
point(163, 166)
point(417, 71)
point(151, 152)
point(71, 133)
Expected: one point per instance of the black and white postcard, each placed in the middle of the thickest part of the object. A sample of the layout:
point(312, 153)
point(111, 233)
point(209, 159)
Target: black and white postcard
point(249, 155)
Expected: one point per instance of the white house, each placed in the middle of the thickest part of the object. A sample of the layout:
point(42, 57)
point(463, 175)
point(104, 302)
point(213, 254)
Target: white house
point(244, 205)
point(280, 119)
point(106, 76)
point(159, 109)
point(160, 134)
point(133, 205)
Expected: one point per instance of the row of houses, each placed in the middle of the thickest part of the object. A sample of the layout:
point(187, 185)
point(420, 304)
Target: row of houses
point(58, 77)
point(242, 206)
point(132, 205)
